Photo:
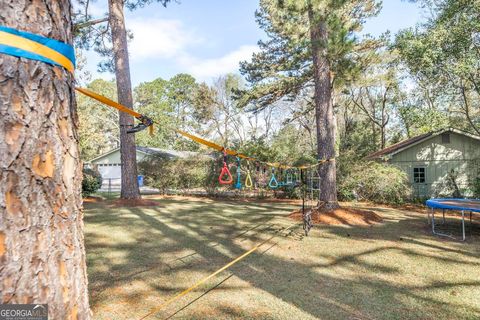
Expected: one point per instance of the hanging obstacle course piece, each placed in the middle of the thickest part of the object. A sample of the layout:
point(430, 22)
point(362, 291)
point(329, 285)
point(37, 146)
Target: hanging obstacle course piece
point(298, 177)
point(273, 184)
point(238, 184)
point(225, 176)
point(288, 178)
point(279, 179)
point(248, 179)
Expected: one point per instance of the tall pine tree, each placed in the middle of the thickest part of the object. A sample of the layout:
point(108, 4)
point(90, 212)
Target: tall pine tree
point(116, 32)
point(311, 45)
point(42, 253)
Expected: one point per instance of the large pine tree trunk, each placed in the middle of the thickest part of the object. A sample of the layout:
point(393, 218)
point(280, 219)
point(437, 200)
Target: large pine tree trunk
point(124, 88)
point(42, 253)
point(324, 116)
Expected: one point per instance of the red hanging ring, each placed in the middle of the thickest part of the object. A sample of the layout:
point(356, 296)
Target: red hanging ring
point(225, 173)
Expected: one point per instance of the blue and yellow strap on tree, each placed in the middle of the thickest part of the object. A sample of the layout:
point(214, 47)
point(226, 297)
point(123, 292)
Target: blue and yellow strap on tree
point(35, 47)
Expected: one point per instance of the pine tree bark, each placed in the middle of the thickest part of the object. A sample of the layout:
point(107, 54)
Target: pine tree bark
point(324, 116)
point(128, 153)
point(42, 253)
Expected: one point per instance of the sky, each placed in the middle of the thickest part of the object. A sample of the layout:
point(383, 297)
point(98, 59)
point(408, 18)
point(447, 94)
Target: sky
point(209, 38)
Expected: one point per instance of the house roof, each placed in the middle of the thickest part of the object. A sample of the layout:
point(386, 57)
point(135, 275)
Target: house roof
point(152, 151)
point(405, 144)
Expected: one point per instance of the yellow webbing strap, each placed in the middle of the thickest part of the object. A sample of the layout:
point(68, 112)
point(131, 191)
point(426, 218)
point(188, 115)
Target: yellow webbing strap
point(316, 164)
point(213, 145)
point(108, 102)
point(196, 285)
point(32, 46)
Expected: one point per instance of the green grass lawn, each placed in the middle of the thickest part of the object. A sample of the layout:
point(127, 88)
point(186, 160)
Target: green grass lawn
point(140, 257)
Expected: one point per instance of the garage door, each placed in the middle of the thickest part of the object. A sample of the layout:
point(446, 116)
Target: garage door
point(110, 171)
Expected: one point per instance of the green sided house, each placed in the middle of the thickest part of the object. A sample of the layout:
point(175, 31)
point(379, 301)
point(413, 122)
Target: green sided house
point(436, 161)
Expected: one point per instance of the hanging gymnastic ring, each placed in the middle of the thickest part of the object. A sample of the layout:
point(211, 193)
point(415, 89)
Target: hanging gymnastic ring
point(225, 172)
point(248, 179)
point(273, 184)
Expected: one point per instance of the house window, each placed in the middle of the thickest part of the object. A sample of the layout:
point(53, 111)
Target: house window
point(419, 175)
point(445, 138)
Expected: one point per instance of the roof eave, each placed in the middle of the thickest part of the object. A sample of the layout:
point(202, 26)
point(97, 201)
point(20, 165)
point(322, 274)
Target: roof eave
point(110, 152)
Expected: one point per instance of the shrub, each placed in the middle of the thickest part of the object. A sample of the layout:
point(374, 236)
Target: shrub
point(175, 174)
point(376, 182)
point(92, 181)
point(475, 187)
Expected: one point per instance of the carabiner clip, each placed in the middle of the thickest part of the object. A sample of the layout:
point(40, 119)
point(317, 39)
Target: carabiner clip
point(145, 122)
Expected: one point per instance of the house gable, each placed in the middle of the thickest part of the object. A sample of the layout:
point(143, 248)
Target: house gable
point(445, 146)
point(405, 145)
point(113, 157)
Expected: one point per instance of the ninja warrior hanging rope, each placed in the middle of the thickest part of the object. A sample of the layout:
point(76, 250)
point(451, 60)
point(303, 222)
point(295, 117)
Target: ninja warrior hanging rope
point(248, 179)
point(225, 173)
point(273, 184)
point(238, 184)
point(288, 178)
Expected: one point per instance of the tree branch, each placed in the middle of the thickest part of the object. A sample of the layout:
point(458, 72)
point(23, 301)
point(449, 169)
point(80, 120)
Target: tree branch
point(89, 23)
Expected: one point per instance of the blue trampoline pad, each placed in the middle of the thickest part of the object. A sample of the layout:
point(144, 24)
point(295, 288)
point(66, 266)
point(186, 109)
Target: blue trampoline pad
point(472, 205)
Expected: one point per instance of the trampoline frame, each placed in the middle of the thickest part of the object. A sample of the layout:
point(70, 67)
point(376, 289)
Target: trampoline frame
point(436, 204)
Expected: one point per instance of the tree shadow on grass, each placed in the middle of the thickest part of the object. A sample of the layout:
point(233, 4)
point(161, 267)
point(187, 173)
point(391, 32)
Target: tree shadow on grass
point(305, 286)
